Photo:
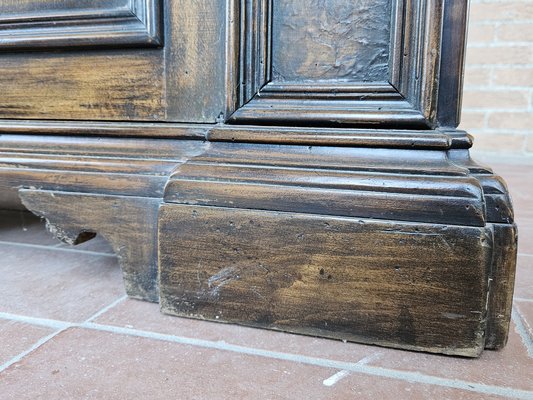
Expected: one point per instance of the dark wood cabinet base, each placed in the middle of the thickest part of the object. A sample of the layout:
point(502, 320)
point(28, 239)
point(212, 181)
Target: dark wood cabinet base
point(414, 286)
point(403, 244)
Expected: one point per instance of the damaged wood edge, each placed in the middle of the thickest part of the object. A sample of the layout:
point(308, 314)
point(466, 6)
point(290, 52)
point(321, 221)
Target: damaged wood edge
point(128, 223)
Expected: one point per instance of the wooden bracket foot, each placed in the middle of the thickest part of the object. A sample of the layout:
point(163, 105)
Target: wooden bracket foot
point(127, 223)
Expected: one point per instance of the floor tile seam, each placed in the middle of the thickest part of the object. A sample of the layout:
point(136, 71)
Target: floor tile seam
point(54, 248)
point(105, 309)
point(357, 367)
point(19, 357)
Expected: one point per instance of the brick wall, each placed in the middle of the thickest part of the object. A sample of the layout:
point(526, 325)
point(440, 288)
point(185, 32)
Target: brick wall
point(498, 93)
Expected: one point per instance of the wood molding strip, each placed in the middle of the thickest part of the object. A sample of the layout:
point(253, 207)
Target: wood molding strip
point(138, 24)
point(414, 139)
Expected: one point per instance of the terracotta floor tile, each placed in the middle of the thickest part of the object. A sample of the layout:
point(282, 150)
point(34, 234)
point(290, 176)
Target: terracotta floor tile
point(524, 277)
point(97, 365)
point(359, 386)
point(525, 309)
point(510, 367)
point(16, 337)
point(146, 316)
point(56, 284)
point(24, 227)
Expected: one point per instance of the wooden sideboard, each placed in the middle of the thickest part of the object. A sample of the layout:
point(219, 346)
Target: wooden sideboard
point(281, 164)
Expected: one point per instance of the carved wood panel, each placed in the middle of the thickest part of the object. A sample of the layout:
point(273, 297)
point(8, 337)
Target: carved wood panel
point(336, 62)
point(34, 24)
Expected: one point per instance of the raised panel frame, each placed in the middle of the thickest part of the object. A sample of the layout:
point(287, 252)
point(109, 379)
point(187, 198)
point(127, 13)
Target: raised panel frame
point(409, 99)
point(138, 24)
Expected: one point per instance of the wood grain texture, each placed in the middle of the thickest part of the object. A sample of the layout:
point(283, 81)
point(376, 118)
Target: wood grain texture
point(184, 81)
point(97, 85)
point(342, 137)
point(196, 61)
point(391, 186)
point(131, 167)
point(452, 62)
point(452, 200)
point(502, 285)
point(330, 137)
point(105, 129)
point(127, 223)
point(84, 186)
point(499, 211)
point(498, 205)
point(359, 280)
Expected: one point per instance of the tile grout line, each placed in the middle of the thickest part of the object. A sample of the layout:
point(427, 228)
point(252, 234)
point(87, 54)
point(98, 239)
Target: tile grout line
point(332, 380)
point(522, 331)
point(34, 347)
point(357, 367)
point(58, 325)
point(53, 248)
point(322, 362)
point(106, 308)
point(44, 322)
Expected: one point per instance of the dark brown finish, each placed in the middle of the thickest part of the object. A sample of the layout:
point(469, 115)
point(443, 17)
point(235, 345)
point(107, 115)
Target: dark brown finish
point(128, 223)
point(502, 282)
point(86, 63)
point(402, 93)
point(96, 186)
point(452, 62)
point(401, 185)
point(352, 279)
point(283, 165)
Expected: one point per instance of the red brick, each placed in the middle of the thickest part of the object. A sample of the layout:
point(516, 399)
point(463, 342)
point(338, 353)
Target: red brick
point(499, 143)
point(24, 227)
point(146, 316)
point(500, 99)
point(481, 33)
point(529, 144)
point(511, 76)
point(477, 76)
point(511, 120)
point(495, 11)
point(498, 55)
point(524, 271)
point(472, 120)
point(525, 311)
point(516, 32)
